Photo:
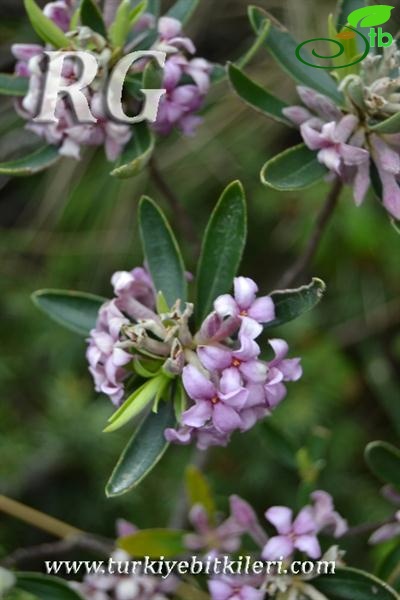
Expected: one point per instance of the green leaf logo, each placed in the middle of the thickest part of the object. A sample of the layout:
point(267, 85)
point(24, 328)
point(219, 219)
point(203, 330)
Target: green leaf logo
point(370, 16)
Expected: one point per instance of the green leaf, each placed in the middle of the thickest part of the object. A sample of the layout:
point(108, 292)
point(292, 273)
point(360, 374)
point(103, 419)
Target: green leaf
point(370, 16)
point(290, 304)
point(136, 403)
point(44, 27)
point(76, 311)
point(345, 7)
point(283, 47)
point(125, 19)
point(223, 244)
point(384, 461)
point(199, 491)
point(389, 569)
point(162, 252)
point(183, 10)
point(294, 169)
point(39, 160)
point(154, 543)
point(143, 452)
point(256, 96)
point(92, 17)
point(154, 7)
point(351, 584)
point(12, 85)
point(390, 125)
point(136, 154)
point(45, 588)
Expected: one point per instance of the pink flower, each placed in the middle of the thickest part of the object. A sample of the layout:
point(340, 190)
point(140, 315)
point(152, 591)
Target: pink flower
point(225, 588)
point(299, 534)
point(219, 406)
point(170, 31)
point(244, 302)
point(325, 516)
point(223, 538)
point(60, 13)
point(387, 532)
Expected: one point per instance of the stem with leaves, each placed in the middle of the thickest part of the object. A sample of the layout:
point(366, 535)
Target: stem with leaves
point(323, 219)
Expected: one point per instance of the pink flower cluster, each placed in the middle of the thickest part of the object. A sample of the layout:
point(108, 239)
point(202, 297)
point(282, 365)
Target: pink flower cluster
point(178, 107)
point(346, 147)
point(230, 386)
point(298, 534)
point(389, 530)
point(106, 358)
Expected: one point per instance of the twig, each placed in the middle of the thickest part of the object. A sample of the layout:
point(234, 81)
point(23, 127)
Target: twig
point(366, 528)
point(179, 517)
point(185, 223)
point(94, 544)
point(38, 519)
point(322, 222)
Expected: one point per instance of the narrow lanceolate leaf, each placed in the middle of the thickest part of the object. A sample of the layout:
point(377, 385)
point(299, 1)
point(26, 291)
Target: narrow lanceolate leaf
point(199, 491)
point(389, 569)
point(154, 543)
point(125, 19)
point(37, 161)
point(283, 47)
point(351, 584)
point(44, 27)
point(12, 85)
point(384, 461)
point(222, 249)
point(390, 125)
point(76, 311)
point(162, 252)
point(136, 402)
point(290, 304)
point(137, 153)
point(294, 169)
point(92, 17)
point(45, 587)
point(183, 10)
point(143, 452)
point(256, 96)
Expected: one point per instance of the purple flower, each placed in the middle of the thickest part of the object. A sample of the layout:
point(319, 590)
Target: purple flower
point(220, 406)
point(387, 532)
point(60, 13)
point(246, 517)
point(244, 302)
point(170, 31)
point(223, 538)
point(325, 516)
point(137, 284)
point(387, 162)
point(225, 588)
point(299, 534)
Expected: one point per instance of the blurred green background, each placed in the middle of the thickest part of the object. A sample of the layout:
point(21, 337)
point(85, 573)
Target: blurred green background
point(73, 226)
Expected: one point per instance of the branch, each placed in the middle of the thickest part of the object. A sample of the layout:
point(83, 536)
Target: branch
point(185, 223)
point(321, 224)
point(38, 519)
point(366, 528)
point(94, 544)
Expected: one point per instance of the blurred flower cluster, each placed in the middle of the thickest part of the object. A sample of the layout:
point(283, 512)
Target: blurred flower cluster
point(186, 80)
point(225, 385)
point(346, 139)
point(215, 538)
